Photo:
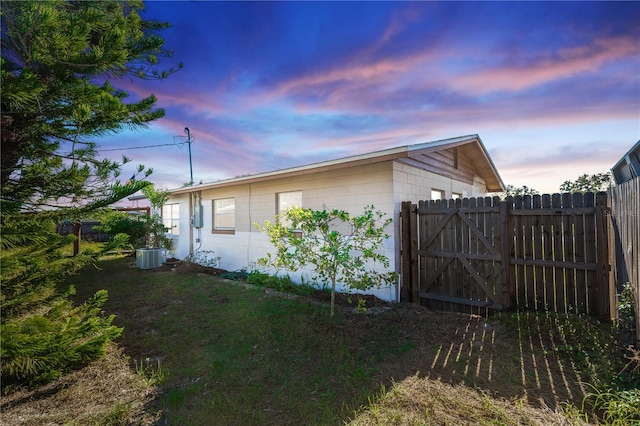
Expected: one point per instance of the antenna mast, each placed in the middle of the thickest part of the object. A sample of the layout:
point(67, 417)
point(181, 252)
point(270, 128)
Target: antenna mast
point(188, 132)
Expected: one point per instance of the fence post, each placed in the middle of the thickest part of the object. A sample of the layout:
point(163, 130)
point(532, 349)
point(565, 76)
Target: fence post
point(414, 231)
point(605, 286)
point(405, 241)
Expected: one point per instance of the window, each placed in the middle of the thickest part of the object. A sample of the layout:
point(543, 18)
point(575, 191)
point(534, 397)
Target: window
point(456, 195)
point(171, 218)
point(437, 194)
point(224, 214)
point(286, 200)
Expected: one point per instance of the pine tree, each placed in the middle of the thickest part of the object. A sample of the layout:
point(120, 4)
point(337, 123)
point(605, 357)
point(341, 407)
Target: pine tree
point(60, 62)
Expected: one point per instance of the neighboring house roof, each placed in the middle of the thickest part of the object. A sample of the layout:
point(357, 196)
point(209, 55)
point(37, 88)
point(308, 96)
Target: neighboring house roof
point(468, 146)
point(629, 165)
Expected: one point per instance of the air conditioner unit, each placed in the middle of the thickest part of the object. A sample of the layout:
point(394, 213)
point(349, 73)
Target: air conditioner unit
point(150, 258)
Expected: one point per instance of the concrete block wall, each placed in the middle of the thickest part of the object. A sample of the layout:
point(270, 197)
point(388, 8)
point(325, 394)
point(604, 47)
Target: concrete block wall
point(350, 189)
point(413, 184)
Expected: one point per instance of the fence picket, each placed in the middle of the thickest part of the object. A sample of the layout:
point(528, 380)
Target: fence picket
point(579, 253)
point(568, 238)
point(590, 251)
point(538, 270)
point(547, 249)
point(527, 253)
point(518, 250)
point(428, 263)
point(507, 245)
point(557, 286)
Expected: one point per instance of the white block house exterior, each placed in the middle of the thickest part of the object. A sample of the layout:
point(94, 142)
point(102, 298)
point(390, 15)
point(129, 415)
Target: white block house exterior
point(221, 216)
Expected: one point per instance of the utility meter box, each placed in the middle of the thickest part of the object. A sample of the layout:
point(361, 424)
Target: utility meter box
point(197, 216)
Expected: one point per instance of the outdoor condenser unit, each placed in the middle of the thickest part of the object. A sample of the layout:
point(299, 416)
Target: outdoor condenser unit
point(150, 258)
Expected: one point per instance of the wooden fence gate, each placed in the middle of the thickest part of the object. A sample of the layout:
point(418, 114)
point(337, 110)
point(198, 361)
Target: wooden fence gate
point(482, 254)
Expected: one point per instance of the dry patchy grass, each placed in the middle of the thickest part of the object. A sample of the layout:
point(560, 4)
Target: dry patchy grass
point(105, 392)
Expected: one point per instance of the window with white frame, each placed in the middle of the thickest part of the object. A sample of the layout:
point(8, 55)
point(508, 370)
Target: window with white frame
point(437, 194)
point(287, 200)
point(171, 218)
point(456, 195)
point(224, 214)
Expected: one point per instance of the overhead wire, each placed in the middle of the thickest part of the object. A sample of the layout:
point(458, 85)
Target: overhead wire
point(138, 147)
point(179, 145)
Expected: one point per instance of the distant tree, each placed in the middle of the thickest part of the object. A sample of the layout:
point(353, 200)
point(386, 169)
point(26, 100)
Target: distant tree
point(58, 61)
point(588, 183)
point(119, 222)
point(340, 246)
point(513, 191)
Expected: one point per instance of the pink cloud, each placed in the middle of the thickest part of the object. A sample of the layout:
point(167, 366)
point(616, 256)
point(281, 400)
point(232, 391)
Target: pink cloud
point(399, 21)
point(568, 62)
point(367, 70)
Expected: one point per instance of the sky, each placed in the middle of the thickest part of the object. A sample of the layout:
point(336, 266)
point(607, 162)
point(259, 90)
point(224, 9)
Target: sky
point(551, 88)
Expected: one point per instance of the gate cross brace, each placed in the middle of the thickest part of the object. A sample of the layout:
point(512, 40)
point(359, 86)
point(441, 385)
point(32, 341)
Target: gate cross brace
point(476, 276)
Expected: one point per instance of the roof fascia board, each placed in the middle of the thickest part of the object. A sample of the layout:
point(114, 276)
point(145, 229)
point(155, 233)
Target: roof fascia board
point(443, 144)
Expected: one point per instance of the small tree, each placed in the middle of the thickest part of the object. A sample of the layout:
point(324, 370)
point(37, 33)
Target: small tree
point(339, 246)
point(588, 183)
point(155, 227)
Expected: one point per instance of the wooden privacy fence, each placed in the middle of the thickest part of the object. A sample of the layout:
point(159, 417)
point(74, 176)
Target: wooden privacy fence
point(481, 254)
point(625, 218)
point(84, 231)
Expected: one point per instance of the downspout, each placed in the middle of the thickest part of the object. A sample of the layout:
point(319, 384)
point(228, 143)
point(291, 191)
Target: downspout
point(195, 225)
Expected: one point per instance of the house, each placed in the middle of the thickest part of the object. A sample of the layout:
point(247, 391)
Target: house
point(221, 216)
point(629, 165)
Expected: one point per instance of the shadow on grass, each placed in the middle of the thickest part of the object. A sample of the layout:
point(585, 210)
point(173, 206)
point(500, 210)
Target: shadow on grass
point(517, 360)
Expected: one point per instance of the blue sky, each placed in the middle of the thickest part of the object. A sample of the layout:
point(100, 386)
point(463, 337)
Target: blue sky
point(552, 88)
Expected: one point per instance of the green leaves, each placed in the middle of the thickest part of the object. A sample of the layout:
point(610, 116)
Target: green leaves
point(338, 246)
point(40, 348)
point(588, 183)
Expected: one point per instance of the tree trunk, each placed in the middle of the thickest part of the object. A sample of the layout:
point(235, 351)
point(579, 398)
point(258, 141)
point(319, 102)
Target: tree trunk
point(333, 296)
point(77, 231)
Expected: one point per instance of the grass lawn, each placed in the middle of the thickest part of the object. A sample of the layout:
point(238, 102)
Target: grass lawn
point(208, 351)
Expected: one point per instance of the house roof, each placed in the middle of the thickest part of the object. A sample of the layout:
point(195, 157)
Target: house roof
point(629, 165)
point(471, 146)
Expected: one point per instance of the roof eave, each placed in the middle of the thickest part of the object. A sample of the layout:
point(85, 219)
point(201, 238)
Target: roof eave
point(493, 181)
